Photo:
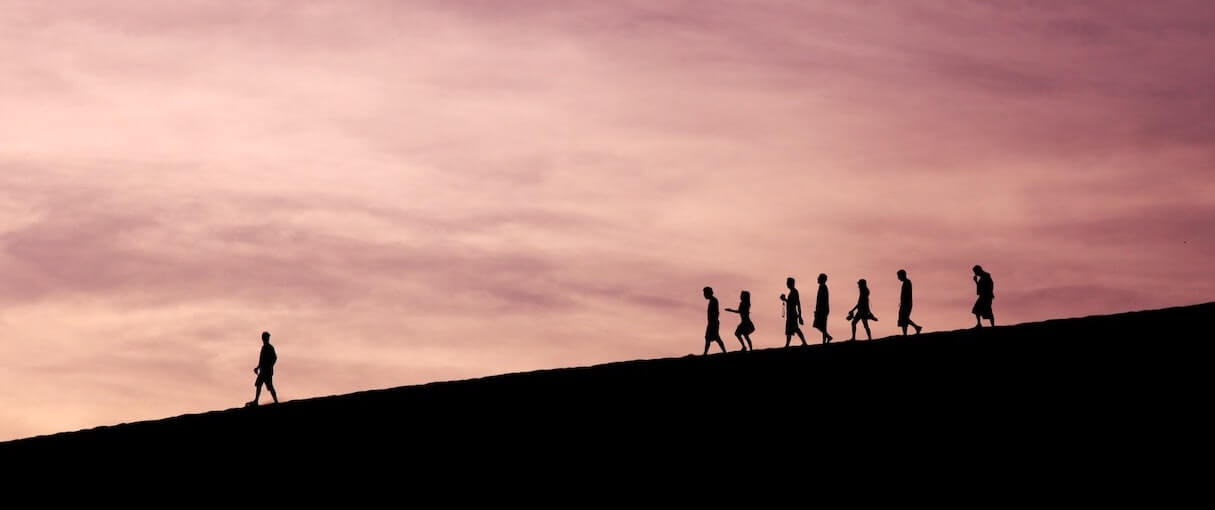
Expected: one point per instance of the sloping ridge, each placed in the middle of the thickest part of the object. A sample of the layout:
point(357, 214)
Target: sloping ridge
point(1075, 383)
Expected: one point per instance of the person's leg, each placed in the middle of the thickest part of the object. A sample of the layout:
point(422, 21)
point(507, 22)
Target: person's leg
point(801, 336)
point(865, 322)
point(721, 344)
point(978, 321)
point(270, 386)
point(740, 341)
point(788, 338)
point(854, 321)
point(992, 319)
point(904, 326)
point(750, 346)
point(707, 344)
point(257, 395)
point(914, 325)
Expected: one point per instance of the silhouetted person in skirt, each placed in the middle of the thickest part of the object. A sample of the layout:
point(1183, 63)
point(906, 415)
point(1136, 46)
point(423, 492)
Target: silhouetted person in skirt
point(860, 312)
point(713, 330)
point(745, 326)
point(793, 313)
point(905, 305)
point(265, 370)
point(822, 307)
point(985, 288)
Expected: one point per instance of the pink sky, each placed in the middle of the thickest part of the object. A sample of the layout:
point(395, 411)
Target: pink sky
point(405, 192)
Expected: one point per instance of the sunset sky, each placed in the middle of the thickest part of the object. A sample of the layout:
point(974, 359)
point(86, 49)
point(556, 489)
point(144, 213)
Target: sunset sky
point(411, 191)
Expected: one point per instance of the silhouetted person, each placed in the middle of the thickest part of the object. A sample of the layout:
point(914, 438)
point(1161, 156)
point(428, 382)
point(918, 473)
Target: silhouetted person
point(745, 326)
point(985, 288)
point(793, 313)
point(713, 330)
point(905, 305)
point(265, 370)
point(822, 308)
point(860, 312)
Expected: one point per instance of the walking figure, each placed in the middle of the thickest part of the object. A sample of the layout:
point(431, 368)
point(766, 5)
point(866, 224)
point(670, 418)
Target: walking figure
point(265, 370)
point(793, 313)
point(985, 288)
point(745, 326)
point(905, 305)
point(713, 330)
point(821, 308)
point(860, 312)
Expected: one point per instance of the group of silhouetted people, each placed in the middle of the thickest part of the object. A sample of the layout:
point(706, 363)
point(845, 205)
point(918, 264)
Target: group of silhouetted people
point(862, 313)
point(791, 311)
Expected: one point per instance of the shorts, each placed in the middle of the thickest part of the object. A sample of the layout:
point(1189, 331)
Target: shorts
point(791, 326)
point(982, 308)
point(904, 316)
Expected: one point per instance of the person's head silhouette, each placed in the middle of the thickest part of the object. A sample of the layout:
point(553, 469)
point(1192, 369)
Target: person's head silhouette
point(265, 337)
point(978, 270)
point(708, 292)
point(789, 282)
point(862, 284)
point(822, 278)
point(745, 296)
point(902, 275)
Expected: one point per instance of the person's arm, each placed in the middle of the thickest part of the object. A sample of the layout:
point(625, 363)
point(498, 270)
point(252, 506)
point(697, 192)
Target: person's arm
point(731, 310)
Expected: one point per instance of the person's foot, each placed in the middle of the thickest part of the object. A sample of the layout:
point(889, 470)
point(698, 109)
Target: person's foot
point(251, 403)
point(830, 338)
point(917, 329)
